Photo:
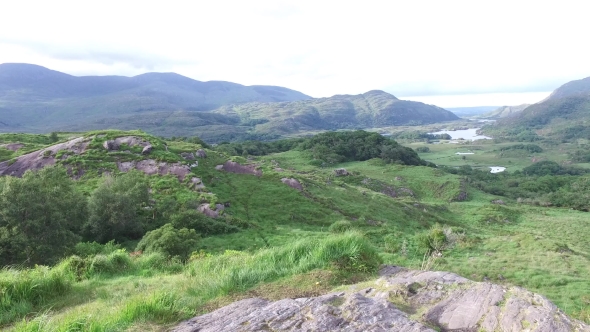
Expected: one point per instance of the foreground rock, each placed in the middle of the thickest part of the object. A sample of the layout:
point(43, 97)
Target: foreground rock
point(445, 301)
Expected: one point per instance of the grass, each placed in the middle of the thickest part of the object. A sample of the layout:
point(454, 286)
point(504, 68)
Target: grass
point(116, 303)
point(290, 240)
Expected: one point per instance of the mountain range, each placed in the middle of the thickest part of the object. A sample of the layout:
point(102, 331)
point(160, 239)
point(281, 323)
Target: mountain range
point(39, 100)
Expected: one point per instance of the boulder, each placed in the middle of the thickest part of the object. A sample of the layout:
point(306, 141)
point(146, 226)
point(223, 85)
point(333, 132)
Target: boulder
point(110, 145)
point(147, 149)
point(201, 153)
point(498, 201)
point(341, 172)
point(445, 301)
point(188, 155)
point(233, 167)
point(292, 183)
point(207, 210)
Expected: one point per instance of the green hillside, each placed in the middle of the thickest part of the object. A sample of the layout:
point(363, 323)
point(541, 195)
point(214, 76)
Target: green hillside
point(153, 231)
point(369, 110)
point(564, 115)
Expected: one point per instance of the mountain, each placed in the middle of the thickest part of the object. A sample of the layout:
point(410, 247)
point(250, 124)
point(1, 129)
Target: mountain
point(564, 115)
point(573, 88)
point(38, 99)
point(368, 110)
point(504, 111)
point(470, 111)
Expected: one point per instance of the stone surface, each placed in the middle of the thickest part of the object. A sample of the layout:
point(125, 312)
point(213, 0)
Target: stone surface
point(187, 155)
point(147, 149)
point(340, 172)
point(233, 167)
point(151, 167)
point(445, 301)
point(292, 183)
point(41, 158)
point(12, 146)
point(201, 153)
point(207, 210)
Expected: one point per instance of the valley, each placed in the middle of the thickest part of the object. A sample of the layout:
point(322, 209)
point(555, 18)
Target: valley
point(138, 230)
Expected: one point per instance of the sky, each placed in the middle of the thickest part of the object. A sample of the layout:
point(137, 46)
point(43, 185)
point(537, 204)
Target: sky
point(448, 53)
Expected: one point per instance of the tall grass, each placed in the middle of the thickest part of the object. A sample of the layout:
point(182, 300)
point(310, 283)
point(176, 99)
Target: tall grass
point(210, 277)
point(236, 271)
point(23, 290)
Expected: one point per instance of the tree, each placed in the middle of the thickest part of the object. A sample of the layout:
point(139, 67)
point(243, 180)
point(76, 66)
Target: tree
point(114, 208)
point(53, 137)
point(40, 215)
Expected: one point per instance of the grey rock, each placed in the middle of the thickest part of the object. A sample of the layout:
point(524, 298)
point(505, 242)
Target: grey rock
point(448, 302)
point(187, 155)
point(201, 153)
point(147, 149)
point(292, 183)
point(340, 172)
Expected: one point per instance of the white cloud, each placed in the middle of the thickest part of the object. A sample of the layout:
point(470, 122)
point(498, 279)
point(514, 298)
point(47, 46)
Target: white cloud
point(318, 47)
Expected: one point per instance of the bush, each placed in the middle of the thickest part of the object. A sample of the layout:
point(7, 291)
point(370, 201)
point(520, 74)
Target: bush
point(114, 263)
point(340, 226)
point(169, 241)
point(422, 149)
point(432, 240)
point(88, 249)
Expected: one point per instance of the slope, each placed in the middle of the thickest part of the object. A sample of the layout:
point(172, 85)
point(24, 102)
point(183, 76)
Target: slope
point(564, 115)
point(369, 110)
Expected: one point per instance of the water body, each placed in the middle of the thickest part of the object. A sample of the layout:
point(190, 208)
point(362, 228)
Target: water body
point(462, 153)
point(467, 134)
point(497, 169)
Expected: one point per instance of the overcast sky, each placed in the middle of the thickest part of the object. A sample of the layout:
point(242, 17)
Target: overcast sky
point(448, 53)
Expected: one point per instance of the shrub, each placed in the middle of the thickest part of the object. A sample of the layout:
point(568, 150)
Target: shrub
point(432, 240)
point(170, 241)
point(340, 226)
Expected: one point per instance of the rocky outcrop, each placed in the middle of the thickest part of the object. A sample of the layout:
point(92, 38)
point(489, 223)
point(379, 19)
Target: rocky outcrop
point(12, 146)
point(116, 143)
point(292, 183)
point(233, 167)
point(151, 167)
point(187, 155)
point(210, 211)
point(341, 172)
point(147, 149)
point(41, 158)
point(201, 153)
point(445, 301)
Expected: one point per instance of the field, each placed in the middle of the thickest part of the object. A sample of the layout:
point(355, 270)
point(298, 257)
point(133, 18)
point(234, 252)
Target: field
point(305, 243)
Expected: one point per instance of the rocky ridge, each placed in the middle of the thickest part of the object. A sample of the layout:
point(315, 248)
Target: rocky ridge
point(400, 300)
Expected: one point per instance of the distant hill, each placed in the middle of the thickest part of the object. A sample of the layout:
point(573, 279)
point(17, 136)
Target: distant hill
point(37, 99)
point(504, 111)
point(573, 88)
point(564, 115)
point(368, 110)
point(470, 111)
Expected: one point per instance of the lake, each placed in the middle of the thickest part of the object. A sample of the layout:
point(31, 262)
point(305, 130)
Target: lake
point(467, 134)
